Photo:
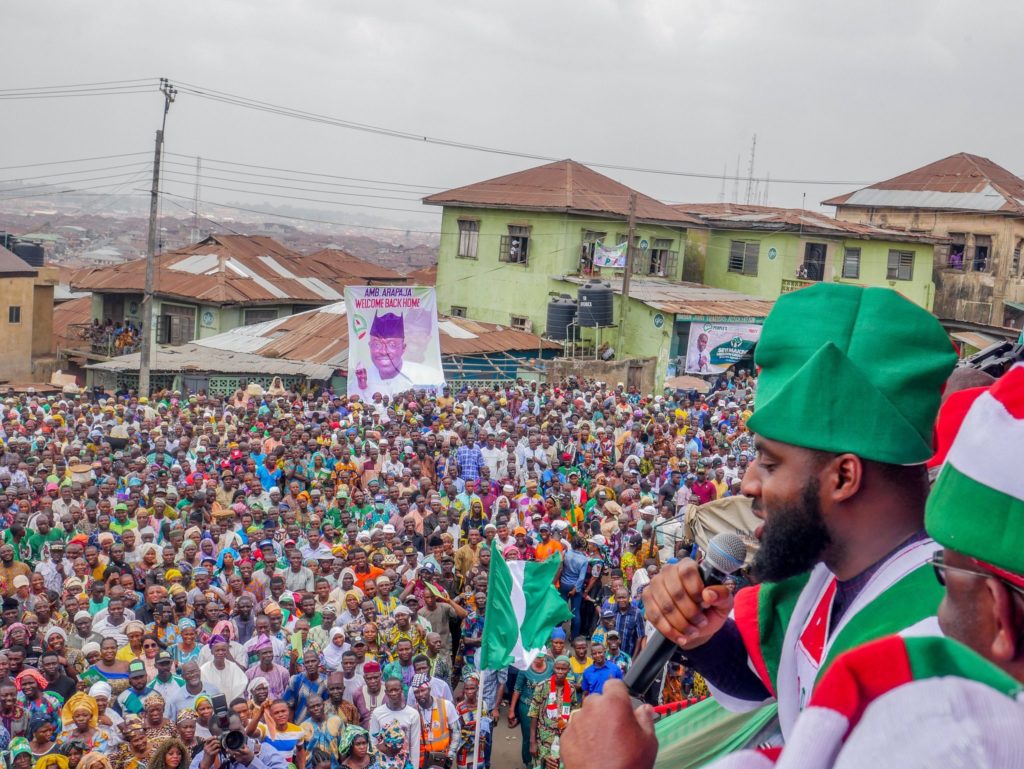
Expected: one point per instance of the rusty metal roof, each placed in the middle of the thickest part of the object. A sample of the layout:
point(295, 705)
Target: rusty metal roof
point(352, 266)
point(228, 270)
point(960, 182)
point(564, 186)
point(424, 276)
point(739, 216)
point(321, 336)
point(682, 298)
point(69, 314)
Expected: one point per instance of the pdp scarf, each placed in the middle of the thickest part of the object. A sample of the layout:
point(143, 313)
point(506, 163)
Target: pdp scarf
point(553, 709)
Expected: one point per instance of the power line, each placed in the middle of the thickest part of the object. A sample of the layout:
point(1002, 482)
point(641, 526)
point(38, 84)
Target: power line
point(206, 176)
point(71, 162)
point(72, 173)
point(152, 80)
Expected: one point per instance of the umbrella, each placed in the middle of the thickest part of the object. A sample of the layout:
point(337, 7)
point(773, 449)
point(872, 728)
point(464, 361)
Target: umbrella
point(688, 383)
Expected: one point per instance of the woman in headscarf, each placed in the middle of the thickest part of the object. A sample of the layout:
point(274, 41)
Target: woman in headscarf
point(331, 657)
point(157, 727)
point(134, 752)
point(352, 615)
point(53, 760)
point(186, 649)
point(41, 729)
point(553, 701)
point(134, 630)
point(172, 753)
point(107, 719)
point(149, 554)
point(73, 750)
point(95, 760)
point(204, 717)
point(185, 723)
point(392, 747)
point(19, 754)
point(354, 748)
point(227, 630)
point(81, 722)
point(16, 634)
point(225, 566)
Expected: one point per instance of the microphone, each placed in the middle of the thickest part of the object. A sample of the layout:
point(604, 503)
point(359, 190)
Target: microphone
point(724, 555)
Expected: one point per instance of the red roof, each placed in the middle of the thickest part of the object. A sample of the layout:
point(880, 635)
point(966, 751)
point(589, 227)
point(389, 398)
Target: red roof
point(959, 182)
point(13, 265)
point(738, 216)
point(345, 263)
point(227, 270)
point(563, 186)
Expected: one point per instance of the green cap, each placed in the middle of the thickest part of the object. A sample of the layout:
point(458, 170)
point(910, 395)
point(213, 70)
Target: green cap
point(851, 369)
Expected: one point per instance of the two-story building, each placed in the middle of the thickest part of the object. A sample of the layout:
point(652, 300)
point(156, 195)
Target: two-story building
point(507, 242)
point(26, 320)
point(767, 251)
point(976, 206)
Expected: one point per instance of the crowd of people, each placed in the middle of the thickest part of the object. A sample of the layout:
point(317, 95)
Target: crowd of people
point(314, 570)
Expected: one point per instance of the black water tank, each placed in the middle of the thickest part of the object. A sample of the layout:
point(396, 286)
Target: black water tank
point(561, 312)
point(595, 307)
point(30, 253)
point(6, 240)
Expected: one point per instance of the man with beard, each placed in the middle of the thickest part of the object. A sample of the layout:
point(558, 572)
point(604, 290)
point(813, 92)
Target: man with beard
point(847, 397)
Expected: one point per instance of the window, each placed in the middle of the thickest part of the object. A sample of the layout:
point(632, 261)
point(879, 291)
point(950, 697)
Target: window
point(520, 323)
point(1015, 262)
point(458, 312)
point(14, 314)
point(588, 242)
point(982, 250)
point(743, 256)
point(662, 259)
point(515, 247)
point(851, 263)
point(957, 249)
point(469, 238)
point(901, 265)
point(258, 315)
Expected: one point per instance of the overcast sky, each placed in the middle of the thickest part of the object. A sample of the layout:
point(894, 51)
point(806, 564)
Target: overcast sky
point(834, 91)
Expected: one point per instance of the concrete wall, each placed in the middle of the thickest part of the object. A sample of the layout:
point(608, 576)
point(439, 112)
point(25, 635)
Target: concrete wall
point(781, 255)
point(493, 291)
point(638, 371)
point(977, 297)
point(16, 338)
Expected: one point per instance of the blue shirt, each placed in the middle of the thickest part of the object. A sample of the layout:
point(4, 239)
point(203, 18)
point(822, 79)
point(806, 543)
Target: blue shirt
point(574, 570)
point(594, 677)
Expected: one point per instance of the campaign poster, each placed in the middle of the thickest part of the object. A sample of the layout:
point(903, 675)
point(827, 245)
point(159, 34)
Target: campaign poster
point(610, 256)
point(714, 347)
point(393, 340)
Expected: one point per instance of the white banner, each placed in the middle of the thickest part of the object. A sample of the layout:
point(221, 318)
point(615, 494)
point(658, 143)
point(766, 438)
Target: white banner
point(610, 256)
point(714, 347)
point(393, 340)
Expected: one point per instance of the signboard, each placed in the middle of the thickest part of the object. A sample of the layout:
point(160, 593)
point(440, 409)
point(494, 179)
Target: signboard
point(610, 256)
point(644, 245)
point(393, 340)
point(714, 347)
point(659, 320)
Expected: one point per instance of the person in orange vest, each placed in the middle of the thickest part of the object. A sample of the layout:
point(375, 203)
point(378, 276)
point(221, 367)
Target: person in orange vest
point(440, 736)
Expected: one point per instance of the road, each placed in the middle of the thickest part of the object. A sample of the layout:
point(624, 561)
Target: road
point(505, 753)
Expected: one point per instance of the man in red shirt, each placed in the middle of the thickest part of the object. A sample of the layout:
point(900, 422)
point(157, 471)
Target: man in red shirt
point(703, 489)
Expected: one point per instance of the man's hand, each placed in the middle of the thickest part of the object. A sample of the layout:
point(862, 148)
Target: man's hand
point(244, 755)
point(211, 753)
point(630, 745)
point(682, 609)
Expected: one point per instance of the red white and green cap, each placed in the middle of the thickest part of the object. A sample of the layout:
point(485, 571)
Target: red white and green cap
point(976, 506)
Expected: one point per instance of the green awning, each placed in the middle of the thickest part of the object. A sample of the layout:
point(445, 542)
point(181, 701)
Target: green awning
point(1019, 306)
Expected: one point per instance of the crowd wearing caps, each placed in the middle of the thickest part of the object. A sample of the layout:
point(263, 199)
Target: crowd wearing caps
point(191, 544)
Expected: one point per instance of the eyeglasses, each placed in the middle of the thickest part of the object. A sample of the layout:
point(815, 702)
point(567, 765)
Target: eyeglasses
point(940, 566)
point(148, 646)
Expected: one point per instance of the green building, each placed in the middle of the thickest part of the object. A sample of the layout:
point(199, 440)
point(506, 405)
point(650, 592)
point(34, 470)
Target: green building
point(766, 252)
point(506, 243)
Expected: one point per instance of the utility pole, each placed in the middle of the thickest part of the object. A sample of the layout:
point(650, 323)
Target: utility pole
point(146, 350)
point(195, 202)
point(627, 275)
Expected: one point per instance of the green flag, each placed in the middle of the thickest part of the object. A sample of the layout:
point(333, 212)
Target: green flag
point(523, 606)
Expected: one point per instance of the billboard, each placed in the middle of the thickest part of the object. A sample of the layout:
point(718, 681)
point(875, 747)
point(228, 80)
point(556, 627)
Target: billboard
point(714, 347)
point(393, 340)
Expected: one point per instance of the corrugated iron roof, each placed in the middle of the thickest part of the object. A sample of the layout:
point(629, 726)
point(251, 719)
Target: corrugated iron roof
point(681, 298)
point(425, 276)
point(227, 270)
point(352, 266)
point(564, 186)
point(200, 358)
point(68, 314)
point(739, 216)
point(961, 182)
point(321, 336)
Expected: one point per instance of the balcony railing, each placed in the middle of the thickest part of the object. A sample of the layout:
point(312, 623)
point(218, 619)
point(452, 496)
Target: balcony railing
point(794, 284)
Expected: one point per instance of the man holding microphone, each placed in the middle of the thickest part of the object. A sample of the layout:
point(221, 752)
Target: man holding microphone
point(847, 395)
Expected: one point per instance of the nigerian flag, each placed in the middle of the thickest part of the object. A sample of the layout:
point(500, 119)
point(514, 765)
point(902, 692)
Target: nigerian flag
point(523, 606)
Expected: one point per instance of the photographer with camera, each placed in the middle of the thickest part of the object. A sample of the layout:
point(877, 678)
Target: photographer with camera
point(230, 748)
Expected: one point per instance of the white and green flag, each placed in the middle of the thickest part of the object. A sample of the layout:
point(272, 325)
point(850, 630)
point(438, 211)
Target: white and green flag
point(523, 606)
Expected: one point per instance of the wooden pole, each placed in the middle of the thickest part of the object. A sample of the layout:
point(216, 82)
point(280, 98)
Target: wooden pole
point(627, 277)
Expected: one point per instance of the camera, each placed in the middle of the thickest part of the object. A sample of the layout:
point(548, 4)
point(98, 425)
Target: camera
point(228, 726)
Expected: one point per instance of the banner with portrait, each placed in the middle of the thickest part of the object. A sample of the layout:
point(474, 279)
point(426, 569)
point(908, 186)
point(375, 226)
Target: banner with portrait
point(393, 340)
point(714, 347)
point(610, 256)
